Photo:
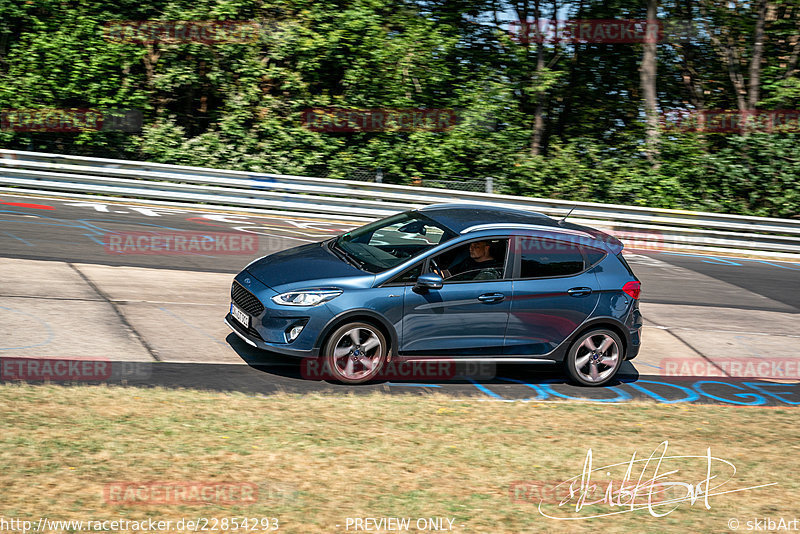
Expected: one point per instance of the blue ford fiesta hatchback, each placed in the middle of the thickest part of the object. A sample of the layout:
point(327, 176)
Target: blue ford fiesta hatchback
point(446, 282)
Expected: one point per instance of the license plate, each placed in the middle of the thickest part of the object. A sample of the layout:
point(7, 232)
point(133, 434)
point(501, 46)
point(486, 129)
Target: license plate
point(240, 316)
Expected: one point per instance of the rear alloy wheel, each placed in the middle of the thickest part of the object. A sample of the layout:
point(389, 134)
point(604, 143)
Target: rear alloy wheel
point(594, 358)
point(355, 353)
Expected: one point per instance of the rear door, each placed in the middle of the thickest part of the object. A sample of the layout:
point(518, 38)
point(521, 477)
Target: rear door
point(554, 291)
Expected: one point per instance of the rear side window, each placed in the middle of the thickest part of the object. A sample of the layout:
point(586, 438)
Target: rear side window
point(593, 255)
point(541, 258)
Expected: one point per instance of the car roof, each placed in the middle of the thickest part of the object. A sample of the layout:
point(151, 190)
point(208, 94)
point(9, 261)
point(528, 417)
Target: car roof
point(466, 218)
point(460, 218)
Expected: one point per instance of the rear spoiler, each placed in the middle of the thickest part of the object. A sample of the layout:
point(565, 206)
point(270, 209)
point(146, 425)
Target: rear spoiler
point(612, 244)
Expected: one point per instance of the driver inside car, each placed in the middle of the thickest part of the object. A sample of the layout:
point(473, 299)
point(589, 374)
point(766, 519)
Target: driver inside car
point(480, 264)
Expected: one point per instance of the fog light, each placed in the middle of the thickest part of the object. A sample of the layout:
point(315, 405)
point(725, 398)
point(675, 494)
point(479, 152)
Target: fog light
point(293, 332)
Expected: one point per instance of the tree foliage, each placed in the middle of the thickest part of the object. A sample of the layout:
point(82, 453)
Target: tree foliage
point(240, 105)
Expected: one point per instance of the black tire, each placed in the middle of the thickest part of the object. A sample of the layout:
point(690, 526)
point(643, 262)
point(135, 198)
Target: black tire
point(352, 363)
point(594, 358)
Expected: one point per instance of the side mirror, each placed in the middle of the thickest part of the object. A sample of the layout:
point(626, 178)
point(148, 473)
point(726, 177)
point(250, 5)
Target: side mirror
point(429, 281)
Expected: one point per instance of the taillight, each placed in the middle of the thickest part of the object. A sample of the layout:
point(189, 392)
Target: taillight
point(633, 289)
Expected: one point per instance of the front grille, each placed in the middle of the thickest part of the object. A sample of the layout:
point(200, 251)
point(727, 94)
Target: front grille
point(245, 300)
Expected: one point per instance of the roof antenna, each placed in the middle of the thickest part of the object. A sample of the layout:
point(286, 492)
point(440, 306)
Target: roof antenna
point(567, 215)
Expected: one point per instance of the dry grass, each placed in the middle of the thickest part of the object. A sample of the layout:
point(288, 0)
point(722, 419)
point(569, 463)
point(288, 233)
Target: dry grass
point(321, 459)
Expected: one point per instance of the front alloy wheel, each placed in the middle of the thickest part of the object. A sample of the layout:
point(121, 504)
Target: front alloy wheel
point(355, 353)
point(594, 358)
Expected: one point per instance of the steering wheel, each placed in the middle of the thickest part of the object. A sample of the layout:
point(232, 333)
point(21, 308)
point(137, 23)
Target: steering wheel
point(400, 253)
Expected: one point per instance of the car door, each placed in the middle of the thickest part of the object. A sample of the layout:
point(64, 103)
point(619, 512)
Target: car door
point(463, 318)
point(553, 294)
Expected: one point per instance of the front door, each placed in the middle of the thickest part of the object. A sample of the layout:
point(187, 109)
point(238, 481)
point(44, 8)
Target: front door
point(468, 315)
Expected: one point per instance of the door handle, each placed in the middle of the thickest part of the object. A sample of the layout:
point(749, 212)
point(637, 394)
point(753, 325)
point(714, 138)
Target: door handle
point(579, 291)
point(491, 297)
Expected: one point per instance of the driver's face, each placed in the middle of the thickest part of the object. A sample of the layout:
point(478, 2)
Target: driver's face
point(479, 249)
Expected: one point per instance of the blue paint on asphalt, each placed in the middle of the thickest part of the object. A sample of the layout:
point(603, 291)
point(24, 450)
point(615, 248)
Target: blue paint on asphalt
point(96, 230)
point(691, 395)
point(540, 395)
point(763, 387)
point(663, 392)
point(704, 257)
point(153, 225)
point(721, 260)
point(776, 265)
point(621, 395)
point(93, 238)
point(488, 391)
point(757, 400)
point(648, 365)
point(84, 224)
point(46, 326)
point(20, 239)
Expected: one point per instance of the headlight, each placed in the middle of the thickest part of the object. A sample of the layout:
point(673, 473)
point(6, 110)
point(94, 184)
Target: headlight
point(310, 297)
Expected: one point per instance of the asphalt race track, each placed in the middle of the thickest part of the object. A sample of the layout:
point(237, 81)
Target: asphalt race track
point(72, 231)
point(66, 294)
point(512, 384)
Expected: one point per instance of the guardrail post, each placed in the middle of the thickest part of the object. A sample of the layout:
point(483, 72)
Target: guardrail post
point(379, 175)
point(489, 184)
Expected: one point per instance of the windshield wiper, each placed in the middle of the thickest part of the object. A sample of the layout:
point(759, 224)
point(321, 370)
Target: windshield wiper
point(343, 254)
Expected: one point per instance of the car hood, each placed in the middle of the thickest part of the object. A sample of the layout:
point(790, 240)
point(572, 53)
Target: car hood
point(311, 262)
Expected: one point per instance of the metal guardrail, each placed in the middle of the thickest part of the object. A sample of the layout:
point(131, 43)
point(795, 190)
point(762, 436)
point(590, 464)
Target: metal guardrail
point(641, 227)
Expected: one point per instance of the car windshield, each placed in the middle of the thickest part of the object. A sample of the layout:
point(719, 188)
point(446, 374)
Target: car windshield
point(383, 244)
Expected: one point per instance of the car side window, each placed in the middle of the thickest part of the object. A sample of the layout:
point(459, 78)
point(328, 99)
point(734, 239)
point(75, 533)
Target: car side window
point(542, 258)
point(593, 255)
point(409, 276)
point(477, 260)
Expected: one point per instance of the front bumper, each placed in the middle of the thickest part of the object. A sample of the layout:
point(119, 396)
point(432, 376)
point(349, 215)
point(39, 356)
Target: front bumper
point(245, 336)
point(268, 327)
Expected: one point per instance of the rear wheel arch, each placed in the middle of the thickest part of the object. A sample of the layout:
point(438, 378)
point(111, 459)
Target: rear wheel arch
point(602, 322)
